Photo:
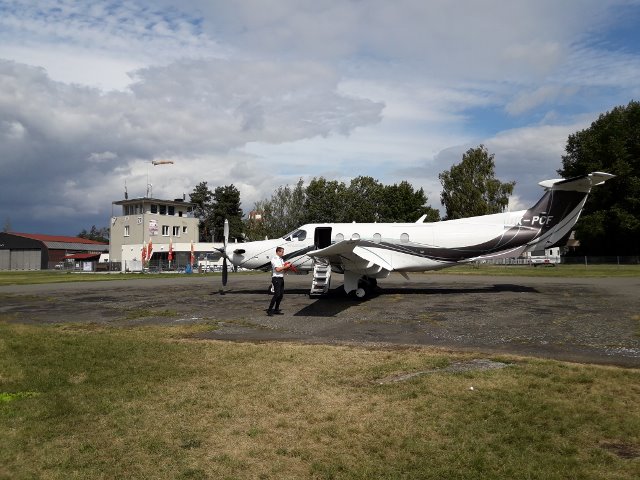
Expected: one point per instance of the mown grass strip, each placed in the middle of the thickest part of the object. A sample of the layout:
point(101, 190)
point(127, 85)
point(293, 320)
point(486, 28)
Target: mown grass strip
point(9, 397)
point(52, 276)
point(578, 271)
point(562, 270)
point(152, 403)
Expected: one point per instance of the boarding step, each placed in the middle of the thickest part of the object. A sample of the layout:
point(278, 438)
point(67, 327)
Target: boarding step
point(321, 279)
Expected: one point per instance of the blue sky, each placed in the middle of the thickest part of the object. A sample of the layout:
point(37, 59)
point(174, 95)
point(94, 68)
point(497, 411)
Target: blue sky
point(260, 94)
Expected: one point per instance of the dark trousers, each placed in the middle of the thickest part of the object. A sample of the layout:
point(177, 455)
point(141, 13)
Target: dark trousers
point(278, 293)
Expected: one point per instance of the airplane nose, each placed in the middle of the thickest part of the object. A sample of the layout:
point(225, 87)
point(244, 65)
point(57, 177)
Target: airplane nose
point(236, 258)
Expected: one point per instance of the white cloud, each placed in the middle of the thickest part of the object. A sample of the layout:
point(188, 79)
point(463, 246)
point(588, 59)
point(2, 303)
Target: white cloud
point(101, 157)
point(194, 111)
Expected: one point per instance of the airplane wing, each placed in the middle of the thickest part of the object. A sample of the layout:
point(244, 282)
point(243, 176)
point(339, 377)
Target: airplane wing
point(354, 254)
point(335, 250)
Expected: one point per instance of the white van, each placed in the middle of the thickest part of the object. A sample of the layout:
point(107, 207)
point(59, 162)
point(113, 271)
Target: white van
point(548, 256)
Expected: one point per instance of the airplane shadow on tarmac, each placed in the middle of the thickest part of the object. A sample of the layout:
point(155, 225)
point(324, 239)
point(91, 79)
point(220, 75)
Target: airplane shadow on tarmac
point(338, 292)
point(258, 291)
point(497, 288)
point(336, 301)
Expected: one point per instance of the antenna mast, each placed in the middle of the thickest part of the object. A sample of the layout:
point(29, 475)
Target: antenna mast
point(154, 163)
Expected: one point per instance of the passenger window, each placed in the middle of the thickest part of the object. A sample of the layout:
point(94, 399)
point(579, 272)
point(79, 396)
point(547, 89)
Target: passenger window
point(404, 238)
point(355, 236)
point(377, 238)
point(339, 237)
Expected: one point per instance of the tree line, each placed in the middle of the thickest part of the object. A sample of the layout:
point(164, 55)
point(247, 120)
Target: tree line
point(364, 199)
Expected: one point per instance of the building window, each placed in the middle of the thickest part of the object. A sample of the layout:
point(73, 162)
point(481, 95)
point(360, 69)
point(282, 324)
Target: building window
point(154, 208)
point(184, 230)
point(171, 210)
point(165, 230)
point(179, 213)
point(126, 230)
point(163, 209)
point(176, 231)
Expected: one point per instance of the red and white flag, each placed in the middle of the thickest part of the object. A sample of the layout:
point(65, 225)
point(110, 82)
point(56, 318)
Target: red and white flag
point(144, 252)
point(170, 249)
point(150, 249)
point(192, 255)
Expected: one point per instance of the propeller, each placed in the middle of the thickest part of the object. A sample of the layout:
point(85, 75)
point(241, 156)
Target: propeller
point(225, 272)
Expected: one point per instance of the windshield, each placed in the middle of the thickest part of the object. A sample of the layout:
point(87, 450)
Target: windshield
point(298, 235)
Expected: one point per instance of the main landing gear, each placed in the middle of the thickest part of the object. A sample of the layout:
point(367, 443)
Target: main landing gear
point(366, 286)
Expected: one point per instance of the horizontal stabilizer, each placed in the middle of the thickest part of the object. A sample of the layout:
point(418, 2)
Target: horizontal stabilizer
point(582, 183)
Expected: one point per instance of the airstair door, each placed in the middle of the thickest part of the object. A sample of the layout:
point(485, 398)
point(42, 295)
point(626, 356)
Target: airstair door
point(322, 237)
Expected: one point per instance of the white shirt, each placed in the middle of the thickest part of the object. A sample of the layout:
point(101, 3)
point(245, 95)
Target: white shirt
point(277, 261)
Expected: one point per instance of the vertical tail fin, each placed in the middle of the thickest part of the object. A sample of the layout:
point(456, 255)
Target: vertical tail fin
point(558, 210)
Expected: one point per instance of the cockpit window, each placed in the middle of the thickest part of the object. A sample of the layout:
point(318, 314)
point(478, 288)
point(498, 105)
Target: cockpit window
point(298, 235)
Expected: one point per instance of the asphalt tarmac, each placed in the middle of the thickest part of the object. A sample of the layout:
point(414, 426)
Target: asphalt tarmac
point(573, 319)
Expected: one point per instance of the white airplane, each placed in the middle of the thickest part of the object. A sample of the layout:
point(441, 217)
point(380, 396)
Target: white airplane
point(366, 252)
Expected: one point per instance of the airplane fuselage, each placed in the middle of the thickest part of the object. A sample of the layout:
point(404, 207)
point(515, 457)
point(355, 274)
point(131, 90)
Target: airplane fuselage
point(403, 247)
point(368, 251)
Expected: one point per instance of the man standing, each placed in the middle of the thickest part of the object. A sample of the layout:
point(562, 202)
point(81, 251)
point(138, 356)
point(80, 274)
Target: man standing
point(278, 267)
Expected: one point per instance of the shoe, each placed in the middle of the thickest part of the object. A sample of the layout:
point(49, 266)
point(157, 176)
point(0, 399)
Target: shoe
point(278, 312)
point(269, 313)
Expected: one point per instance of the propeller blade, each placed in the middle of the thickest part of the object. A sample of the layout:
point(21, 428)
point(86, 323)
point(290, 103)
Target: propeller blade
point(225, 273)
point(226, 233)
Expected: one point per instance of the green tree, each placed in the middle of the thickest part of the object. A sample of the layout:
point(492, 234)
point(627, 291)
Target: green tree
point(470, 188)
point(226, 205)
point(402, 203)
point(610, 221)
point(364, 200)
point(202, 197)
point(325, 201)
point(331, 201)
point(280, 214)
point(96, 234)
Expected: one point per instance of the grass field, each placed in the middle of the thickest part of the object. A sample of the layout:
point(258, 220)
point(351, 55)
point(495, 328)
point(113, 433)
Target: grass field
point(55, 276)
point(104, 403)
point(52, 276)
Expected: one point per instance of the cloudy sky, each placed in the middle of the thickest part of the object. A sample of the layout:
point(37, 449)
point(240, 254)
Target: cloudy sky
point(260, 93)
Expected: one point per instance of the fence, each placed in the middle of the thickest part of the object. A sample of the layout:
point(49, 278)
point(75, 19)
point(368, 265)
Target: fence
point(83, 266)
point(572, 260)
point(160, 265)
